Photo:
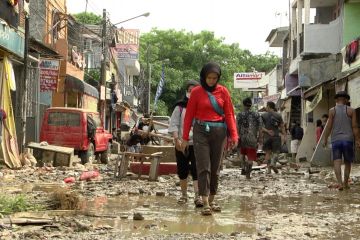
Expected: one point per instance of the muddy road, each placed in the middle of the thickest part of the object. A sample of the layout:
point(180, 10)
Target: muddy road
point(291, 205)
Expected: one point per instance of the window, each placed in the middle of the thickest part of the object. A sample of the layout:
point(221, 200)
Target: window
point(64, 119)
point(56, 21)
point(95, 118)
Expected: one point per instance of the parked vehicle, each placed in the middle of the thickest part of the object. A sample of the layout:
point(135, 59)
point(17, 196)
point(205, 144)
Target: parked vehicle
point(77, 128)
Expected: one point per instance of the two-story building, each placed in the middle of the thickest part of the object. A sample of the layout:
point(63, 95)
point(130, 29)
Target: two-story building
point(56, 29)
point(319, 32)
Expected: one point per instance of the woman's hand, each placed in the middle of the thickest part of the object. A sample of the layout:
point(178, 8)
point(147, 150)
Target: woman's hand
point(184, 145)
point(178, 144)
point(232, 143)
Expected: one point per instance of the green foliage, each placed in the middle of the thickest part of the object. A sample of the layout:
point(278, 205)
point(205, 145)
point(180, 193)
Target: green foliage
point(161, 109)
point(92, 76)
point(16, 203)
point(88, 18)
point(187, 53)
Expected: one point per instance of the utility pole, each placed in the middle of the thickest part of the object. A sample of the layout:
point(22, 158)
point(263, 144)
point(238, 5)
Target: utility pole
point(103, 68)
point(148, 66)
point(23, 85)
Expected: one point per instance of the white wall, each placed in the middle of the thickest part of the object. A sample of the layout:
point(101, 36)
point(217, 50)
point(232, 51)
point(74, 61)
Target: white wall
point(308, 144)
point(323, 38)
point(272, 87)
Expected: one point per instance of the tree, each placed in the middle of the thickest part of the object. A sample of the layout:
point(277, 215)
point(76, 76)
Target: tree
point(187, 53)
point(92, 76)
point(88, 18)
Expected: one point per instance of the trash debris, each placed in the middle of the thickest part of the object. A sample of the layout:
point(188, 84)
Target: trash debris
point(138, 216)
point(27, 159)
point(69, 180)
point(65, 200)
point(89, 175)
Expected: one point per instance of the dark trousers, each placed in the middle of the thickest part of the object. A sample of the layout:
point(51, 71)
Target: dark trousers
point(208, 148)
point(186, 163)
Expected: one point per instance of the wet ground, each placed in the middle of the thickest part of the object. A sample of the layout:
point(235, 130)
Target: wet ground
point(290, 205)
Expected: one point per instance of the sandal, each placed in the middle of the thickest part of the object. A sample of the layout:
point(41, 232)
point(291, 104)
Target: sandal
point(336, 186)
point(206, 211)
point(215, 207)
point(198, 202)
point(182, 200)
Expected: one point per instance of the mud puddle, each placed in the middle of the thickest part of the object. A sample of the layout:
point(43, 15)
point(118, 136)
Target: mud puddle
point(31, 187)
point(317, 215)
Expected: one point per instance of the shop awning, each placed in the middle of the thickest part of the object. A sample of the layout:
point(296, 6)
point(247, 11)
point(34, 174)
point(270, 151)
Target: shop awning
point(311, 92)
point(310, 106)
point(44, 51)
point(73, 84)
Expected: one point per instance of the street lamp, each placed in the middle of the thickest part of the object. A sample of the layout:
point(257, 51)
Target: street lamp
point(104, 52)
point(141, 15)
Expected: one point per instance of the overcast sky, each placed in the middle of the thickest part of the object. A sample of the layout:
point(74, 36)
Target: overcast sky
point(247, 22)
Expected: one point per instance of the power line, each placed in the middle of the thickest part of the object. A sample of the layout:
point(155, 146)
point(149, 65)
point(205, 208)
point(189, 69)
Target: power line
point(69, 27)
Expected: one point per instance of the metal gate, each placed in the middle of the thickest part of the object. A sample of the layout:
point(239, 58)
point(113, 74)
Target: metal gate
point(34, 108)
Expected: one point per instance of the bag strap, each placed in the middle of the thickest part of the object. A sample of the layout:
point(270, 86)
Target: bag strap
point(215, 104)
point(181, 110)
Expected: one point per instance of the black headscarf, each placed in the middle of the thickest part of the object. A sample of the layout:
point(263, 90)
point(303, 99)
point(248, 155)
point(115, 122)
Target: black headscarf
point(183, 102)
point(210, 67)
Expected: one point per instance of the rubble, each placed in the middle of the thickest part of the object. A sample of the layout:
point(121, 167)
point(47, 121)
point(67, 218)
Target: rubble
point(95, 208)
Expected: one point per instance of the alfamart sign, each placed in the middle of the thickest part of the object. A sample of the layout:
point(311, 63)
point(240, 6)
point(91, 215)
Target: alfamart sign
point(248, 80)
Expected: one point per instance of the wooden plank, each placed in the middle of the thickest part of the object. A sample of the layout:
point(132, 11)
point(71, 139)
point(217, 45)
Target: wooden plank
point(156, 122)
point(53, 148)
point(168, 152)
point(124, 163)
point(154, 167)
point(140, 154)
point(28, 221)
point(168, 138)
point(157, 154)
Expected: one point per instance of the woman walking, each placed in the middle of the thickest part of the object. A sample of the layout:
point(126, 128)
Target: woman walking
point(185, 161)
point(211, 111)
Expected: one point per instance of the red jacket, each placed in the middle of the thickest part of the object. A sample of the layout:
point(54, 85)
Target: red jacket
point(200, 107)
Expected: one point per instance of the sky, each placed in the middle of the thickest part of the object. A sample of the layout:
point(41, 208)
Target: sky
point(246, 22)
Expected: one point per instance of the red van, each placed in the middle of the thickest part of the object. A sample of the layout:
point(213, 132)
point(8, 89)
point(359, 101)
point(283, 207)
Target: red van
point(77, 128)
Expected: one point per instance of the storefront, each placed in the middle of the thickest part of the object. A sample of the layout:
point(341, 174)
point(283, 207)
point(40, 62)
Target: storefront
point(11, 73)
point(79, 94)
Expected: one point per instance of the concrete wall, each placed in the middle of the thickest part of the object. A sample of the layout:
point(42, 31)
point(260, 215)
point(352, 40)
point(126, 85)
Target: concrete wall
point(272, 86)
point(323, 38)
point(308, 144)
point(37, 22)
point(351, 22)
point(321, 69)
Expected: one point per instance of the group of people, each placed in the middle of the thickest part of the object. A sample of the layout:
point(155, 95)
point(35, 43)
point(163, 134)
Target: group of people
point(203, 123)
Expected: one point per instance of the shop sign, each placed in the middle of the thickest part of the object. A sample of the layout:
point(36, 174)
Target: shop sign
point(11, 40)
point(49, 74)
point(128, 44)
point(247, 79)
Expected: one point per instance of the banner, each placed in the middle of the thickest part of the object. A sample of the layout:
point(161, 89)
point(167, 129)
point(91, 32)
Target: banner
point(354, 90)
point(49, 74)
point(160, 86)
point(310, 106)
point(127, 46)
point(248, 80)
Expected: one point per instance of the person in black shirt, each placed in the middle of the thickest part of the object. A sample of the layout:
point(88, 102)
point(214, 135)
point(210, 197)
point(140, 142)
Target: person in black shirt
point(297, 134)
point(142, 138)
